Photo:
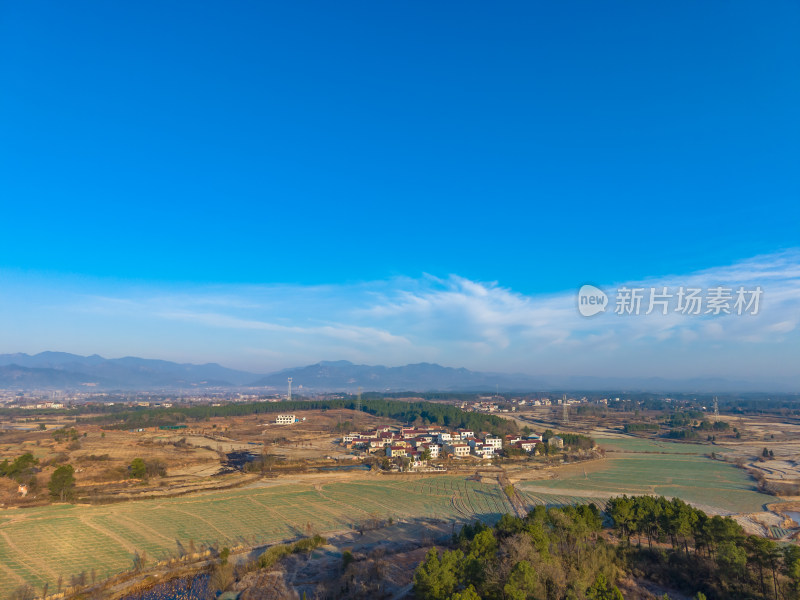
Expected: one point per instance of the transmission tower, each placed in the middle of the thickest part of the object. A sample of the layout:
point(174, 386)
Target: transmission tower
point(290, 389)
point(716, 409)
point(565, 409)
point(358, 405)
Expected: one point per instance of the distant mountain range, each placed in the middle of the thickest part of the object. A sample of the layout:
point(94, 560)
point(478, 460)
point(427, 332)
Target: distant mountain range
point(344, 375)
point(59, 370)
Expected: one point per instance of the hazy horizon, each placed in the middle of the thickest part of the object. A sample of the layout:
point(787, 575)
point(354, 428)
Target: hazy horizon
point(450, 321)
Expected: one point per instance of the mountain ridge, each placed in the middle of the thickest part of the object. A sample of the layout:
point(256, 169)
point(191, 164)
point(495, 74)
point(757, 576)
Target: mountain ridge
point(128, 372)
point(59, 370)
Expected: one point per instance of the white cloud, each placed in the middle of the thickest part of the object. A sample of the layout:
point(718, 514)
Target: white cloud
point(451, 320)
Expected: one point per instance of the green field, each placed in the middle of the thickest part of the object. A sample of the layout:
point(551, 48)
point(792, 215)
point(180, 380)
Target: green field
point(637, 466)
point(39, 544)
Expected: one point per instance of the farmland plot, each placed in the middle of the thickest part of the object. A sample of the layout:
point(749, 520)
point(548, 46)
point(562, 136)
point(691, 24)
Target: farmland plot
point(38, 545)
point(635, 466)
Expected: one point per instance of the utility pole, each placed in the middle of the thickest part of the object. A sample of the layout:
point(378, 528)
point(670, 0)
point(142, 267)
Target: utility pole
point(358, 408)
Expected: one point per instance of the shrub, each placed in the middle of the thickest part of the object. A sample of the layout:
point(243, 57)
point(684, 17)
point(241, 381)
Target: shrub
point(308, 544)
point(155, 468)
point(137, 469)
point(272, 555)
point(21, 466)
point(62, 435)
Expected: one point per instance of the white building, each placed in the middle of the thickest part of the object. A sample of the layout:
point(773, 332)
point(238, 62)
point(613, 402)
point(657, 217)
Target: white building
point(285, 419)
point(483, 450)
point(434, 448)
point(444, 437)
point(395, 451)
point(494, 442)
point(458, 450)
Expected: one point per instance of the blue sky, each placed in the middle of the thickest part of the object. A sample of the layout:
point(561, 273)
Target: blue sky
point(310, 163)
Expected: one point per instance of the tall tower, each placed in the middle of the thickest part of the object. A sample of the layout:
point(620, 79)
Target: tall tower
point(565, 409)
point(716, 409)
point(290, 390)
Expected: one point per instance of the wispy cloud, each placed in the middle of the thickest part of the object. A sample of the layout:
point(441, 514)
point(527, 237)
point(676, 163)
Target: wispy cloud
point(451, 320)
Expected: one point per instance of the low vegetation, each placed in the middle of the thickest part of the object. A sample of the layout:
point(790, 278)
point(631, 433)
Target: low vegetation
point(143, 469)
point(20, 469)
point(224, 574)
point(636, 427)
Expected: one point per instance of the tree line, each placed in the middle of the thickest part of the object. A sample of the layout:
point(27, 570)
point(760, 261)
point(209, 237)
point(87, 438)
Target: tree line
point(550, 554)
point(712, 550)
point(578, 552)
point(422, 413)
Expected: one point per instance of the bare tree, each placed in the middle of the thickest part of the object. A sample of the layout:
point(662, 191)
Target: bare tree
point(139, 560)
point(24, 592)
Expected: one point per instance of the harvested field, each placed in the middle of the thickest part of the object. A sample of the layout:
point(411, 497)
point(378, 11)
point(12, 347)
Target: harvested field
point(39, 544)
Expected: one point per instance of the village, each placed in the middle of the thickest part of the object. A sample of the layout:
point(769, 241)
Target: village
point(414, 448)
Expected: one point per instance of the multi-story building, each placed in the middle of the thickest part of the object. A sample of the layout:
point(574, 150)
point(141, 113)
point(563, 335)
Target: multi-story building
point(494, 442)
point(395, 451)
point(458, 450)
point(444, 437)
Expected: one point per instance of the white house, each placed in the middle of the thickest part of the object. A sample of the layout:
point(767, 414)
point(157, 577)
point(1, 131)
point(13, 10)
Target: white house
point(494, 442)
point(395, 451)
point(434, 448)
point(484, 450)
point(458, 450)
point(285, 419)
